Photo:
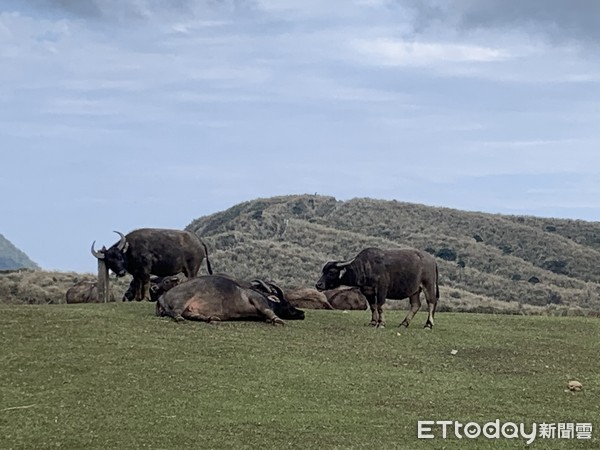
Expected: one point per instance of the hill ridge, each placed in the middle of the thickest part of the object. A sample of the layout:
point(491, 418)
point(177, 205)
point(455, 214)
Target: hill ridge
point(524, 259)
point(12, 258)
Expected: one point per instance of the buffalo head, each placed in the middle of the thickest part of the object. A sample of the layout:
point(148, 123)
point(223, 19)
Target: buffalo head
point(160, 285)
point(281, 307)
point(331, 275)
point(115, 256)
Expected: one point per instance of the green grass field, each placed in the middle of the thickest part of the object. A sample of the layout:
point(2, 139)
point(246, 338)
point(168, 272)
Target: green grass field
point(115, 376)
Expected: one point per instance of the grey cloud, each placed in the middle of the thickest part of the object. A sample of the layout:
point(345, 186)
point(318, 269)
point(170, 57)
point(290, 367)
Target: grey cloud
point(133, 9)
point(558, 19)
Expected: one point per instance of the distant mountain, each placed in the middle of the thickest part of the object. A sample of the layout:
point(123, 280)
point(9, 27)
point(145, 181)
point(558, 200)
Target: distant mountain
point(486, 261)
point(11, 258)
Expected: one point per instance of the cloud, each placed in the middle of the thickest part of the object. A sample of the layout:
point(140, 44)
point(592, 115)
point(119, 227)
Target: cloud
point(558, 19)
point(394, 52)
point(124, 10)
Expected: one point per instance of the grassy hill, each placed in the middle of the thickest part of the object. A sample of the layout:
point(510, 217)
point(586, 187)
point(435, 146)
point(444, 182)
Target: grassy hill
point(488, 262)
point(11, 258)
point(114, 376)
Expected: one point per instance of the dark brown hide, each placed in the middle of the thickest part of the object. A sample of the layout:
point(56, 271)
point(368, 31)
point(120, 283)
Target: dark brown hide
point(216, 298)
point(154, 251)
point(394, 274)
point(346, 298)
point(307, 298)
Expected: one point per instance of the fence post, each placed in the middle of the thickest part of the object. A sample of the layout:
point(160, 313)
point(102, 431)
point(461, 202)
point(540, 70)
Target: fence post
point(103, 282)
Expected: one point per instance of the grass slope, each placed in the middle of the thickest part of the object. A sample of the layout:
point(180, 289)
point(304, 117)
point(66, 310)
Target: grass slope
point(115, 376)
point(538, 262)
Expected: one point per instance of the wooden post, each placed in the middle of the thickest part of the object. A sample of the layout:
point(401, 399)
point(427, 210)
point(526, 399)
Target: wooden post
point(103, 283)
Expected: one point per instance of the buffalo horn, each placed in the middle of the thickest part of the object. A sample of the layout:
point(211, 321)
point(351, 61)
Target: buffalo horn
point(261, 284)
point(342, 264)
point(278, 290)
point(122, 245)
point(96, 253)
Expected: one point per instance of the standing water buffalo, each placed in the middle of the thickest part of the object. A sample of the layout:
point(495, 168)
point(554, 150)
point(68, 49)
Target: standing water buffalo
point(215, 298)
point(381, 274)
point(154, 251)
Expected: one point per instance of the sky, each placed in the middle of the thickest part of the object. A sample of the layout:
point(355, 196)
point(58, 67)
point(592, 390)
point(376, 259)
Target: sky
point(122, 114)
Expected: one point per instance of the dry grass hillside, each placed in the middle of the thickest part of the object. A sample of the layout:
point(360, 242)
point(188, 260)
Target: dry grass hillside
point(44, 287)
point(487, 262)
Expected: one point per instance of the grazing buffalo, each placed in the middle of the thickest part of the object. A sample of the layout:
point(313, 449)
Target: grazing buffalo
point(381, 274)
point(154, 251)
point(347, 298)
point(84, 291)
point(307, 298)
point(215, 298)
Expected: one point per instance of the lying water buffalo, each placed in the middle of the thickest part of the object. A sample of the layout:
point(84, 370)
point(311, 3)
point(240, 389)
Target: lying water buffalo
point(154, 251)
point(158, 286)
point(381, 274)
point(84, 291)
point(307, 298)
point(214, 298)
point(347, 298)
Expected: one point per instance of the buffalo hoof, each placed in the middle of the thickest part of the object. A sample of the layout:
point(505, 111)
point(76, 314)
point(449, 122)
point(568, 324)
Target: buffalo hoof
point(428, 326)
point(404, 324)
point(381, 325)
point(179, 318)
point(373, 323)
point(277, 321)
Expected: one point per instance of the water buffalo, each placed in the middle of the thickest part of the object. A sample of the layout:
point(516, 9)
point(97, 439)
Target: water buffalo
point(381, 274)
point(158, 286)
point(307, 298)
point(346, 297)
point(154, 251)
point(215, 298)
point(84, 291)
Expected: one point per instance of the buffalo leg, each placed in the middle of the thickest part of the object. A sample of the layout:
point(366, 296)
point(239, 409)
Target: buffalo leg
point(380, 301)
point(131, 291)
point(381, 321)
point(415, 305)
point(374, 311)
point(431, 304)
point(265, 311)
point(144, 289)
point(193, 315)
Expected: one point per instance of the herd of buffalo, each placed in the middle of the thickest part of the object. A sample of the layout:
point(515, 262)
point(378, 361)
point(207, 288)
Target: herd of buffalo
point(154, 257)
